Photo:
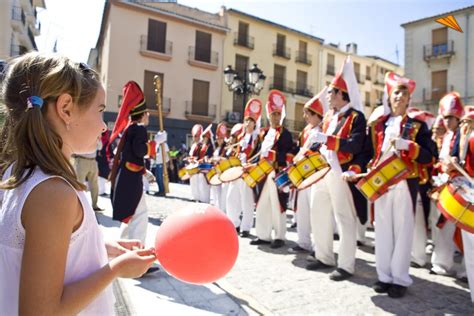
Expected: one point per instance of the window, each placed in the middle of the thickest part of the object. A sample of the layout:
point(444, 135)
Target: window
point(281, 45)
point(243, 34)
point(367, 73)
point(301, 83)
point(149, 88)
point(156, 36)
point(331, 65)
point(241, 67)
point(439, 84)
point(279, 77)
point(439, 41)
point(357, 71)
point(367, 99)
point(200, 103)
point(203, 46)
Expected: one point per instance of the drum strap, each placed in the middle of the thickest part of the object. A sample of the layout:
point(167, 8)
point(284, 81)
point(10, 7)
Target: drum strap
point(341, 123)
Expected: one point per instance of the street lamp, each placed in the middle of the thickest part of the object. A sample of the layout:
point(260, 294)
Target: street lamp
point(246, 86)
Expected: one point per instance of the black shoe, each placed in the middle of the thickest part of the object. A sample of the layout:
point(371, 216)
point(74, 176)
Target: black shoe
point(297, 249)
point(98, 209)
point(318, 265)
point(335, 236)
point(260, 242)
point(311, 257)
point(381, 287)
point(293, 225)
point(277, 243)
point(360, 243)
point(237, 229)
point(397, 291)
point(415, 265)
point(339, 275)
point(152, 269)
point(245, 234)
point(463, 279)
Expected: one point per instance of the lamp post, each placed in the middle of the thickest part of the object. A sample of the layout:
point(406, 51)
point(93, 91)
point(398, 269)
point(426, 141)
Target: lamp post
point(246, 86)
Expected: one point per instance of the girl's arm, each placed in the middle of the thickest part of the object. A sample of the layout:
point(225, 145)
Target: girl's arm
point(51, 213)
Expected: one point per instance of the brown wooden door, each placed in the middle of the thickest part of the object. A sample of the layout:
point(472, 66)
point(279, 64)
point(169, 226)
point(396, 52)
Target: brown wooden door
point(203, 46)
point(156, 36)
point(331, 65)
point(200, 97)
point(243, 33)
point(281, 43)
point(301, 82)
point(241, 65)
point(439, 84)
point(279, 77)
point(149, 88)
point(303, 51)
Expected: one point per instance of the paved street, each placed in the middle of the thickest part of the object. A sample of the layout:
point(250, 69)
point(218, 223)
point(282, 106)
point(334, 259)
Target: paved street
point(267, 281)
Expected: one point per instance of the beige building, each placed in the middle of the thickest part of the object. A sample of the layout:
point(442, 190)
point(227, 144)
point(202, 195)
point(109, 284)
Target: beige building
point(440, 59)
point(19, 26)
point(289, 59)
point(182, 45)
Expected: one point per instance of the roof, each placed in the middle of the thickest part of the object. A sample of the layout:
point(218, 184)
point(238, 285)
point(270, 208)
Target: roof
point(277, 25)
point(438, 15)
point(383, 59)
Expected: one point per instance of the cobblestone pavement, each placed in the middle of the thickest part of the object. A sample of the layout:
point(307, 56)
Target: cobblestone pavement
point(277, 282)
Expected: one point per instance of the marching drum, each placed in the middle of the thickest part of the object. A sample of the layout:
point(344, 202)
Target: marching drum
point(205, 167)
point(192, 169)
point(257, 172)
point(282, 179)
point(183, 174)
point(213, 176)
point(376, 183)
point(308, 170)
point(456, 202)
point(231, 169)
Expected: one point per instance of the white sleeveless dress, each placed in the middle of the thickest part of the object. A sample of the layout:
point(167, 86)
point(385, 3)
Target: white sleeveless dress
point(86, 253)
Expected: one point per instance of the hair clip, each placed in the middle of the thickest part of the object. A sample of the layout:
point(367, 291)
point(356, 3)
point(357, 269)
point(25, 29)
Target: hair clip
point(34, 101)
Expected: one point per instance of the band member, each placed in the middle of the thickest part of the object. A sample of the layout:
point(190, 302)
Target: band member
point(193, 157)
point(219, 192)
point(438, 131)
point(397, 133)
point(128, 200)
point(276, 145)
point(313, 113)
point(444, 231)
point(240, 197)
point(205, 155)
point(345, 149)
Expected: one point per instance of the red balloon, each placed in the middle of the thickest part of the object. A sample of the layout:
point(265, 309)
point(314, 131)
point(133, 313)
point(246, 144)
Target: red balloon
point(197, 244)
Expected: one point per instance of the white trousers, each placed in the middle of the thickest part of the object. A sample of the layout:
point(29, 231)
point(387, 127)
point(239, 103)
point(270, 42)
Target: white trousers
point(303, 218)
point(332, 198)
point(240, 200)
point(468, 242)
point(420, 236)
point(102, 182)
point(268, 213)
point(444, 246)
point(204, 188)
point(218, 196)
point(146, 184)
point(137, 226)
point(394, 226)
point(194, 183)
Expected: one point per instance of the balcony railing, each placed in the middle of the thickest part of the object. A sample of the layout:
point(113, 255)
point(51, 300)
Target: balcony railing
point(303, 57)
point(445, 50)
point(432, 96)
point(359, 78)
point(281, 51)
point(330, 70)
point(281, 84)
point(294, 125)
point(165, 104)
point(379, 79)
point(197, 58)
point(306, 91)
point(243, 40)
point(205, 111)
point(147, 48)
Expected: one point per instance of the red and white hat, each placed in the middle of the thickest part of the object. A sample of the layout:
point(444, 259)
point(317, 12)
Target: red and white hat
point(318, 104)
point(253, 109)
point(421, 115)
point(339, 83)
point(392, 80)
point(207, 132)
point(237, 129)
point(276, 102)
point(197, 130)
point(345, 80)
point(221, 131)
point(439, 122)
point(468, 112)
point(451, 105)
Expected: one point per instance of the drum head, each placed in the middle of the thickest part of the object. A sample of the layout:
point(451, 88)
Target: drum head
point(312, 179)
point(231, 174)
point(215, 180)
point(185, 177)
point(465, 188)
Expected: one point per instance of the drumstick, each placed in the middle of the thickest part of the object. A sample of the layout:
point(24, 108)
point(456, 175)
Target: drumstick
point(231, 146)
point(254, 156)
point(461, 170)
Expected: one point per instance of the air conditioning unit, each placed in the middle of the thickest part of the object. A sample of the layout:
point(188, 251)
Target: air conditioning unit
point(233, 117)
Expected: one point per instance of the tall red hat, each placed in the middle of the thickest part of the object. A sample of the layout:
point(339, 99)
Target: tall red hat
point(133, 102)
point(451, 105)
point(253, 109)
point(207, 132)
point(318, 103)
point(221, 131)
point(468, 112)
point(339, 83)
point(197, 130)
point(392, 80)
point(439, 122)
point(276, 102)
point(421, 115)
point(237, 129)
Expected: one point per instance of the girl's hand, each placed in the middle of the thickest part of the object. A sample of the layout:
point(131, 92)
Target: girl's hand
point(117, 247)
point(134, 263)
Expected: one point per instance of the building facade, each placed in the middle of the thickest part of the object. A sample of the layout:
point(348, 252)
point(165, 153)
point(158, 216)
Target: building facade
point(19, 26)
point(181, 45)
point(440, 59)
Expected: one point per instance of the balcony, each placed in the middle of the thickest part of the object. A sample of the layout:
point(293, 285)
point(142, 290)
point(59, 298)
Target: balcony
point(330, 70)
point(294, 125)
point(165, 105)
point(201, 59)
point(244, 41)
point(281, 51)
point(432, 96)
point(379, 79)
point(147, 50)
point(304, 90)
point(281, 84)
point(359, 78)
point(438, 52)
point(200, 112)
point(303, 58)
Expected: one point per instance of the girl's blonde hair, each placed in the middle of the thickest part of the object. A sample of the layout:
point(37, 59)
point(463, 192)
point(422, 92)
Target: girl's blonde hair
point(26, 139)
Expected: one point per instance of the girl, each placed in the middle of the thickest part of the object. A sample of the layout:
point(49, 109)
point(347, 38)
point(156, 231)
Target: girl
point(52, 256)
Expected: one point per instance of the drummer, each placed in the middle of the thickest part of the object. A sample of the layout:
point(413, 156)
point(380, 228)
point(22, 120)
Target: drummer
point(240, 198)
point(397, 133)
point(313, 112)
point(193, 157)
point(276, 145)
point(205, 153)
point(345, 149)
point(446, 237)
point(218, 192)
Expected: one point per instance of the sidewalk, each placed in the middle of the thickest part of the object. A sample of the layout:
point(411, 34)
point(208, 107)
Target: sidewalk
point(160, 293)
